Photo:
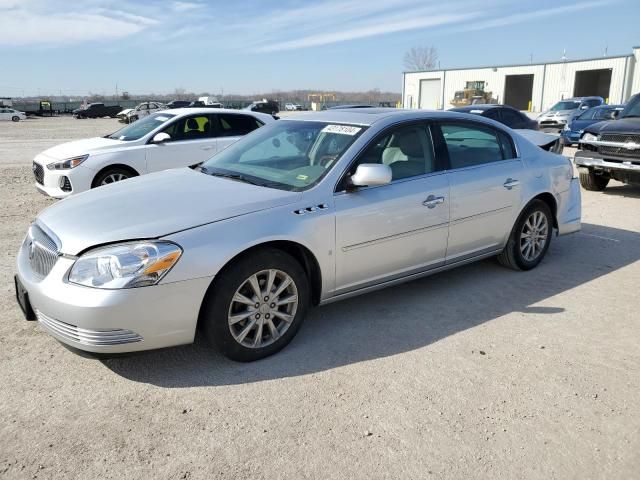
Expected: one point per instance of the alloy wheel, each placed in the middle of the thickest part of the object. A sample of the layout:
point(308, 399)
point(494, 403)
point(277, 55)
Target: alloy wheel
point(533, 236)
point(112, 178)
point(263, 308)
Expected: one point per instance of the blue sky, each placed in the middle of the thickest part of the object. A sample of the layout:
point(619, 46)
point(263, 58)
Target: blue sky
point(252, 46)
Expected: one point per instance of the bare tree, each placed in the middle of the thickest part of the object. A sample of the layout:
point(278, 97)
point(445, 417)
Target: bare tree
point(421, 58)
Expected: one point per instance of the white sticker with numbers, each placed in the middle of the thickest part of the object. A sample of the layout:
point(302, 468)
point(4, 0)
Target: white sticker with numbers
point(341, 129)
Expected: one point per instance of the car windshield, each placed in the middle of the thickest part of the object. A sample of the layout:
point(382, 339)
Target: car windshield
point(632, 109)
point(140, 128)
point(288, 154)
point(566, 105)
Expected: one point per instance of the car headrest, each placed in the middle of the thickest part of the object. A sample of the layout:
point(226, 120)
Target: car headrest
point(409, 143)
point(192, 124)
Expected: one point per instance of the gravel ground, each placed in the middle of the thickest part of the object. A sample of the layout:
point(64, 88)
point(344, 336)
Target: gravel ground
point(480, 372)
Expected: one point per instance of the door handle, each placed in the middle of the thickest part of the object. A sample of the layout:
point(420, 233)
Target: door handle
point(510, 183)
point(207, 147)
point(432, 201)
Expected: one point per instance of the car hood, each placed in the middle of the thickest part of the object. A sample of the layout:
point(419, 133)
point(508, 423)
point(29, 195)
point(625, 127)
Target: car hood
point(153, 206)
point(582, 124)
point(558, 113)
point(82, 147)
point(621, 125)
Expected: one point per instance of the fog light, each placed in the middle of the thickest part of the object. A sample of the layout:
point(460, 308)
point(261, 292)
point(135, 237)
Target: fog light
point(65, 184)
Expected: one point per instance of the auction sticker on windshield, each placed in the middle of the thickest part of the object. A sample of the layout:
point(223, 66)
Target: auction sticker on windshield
point(341, 129)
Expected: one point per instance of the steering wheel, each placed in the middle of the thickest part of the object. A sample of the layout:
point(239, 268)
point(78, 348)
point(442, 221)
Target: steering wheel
point(326, 160)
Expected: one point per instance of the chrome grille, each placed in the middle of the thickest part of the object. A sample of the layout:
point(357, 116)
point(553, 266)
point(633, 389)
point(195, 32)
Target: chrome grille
point(619, 151)
point(42, 251)
point(38, 172)
point(96, 338)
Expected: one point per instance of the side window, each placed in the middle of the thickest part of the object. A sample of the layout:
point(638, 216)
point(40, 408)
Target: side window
point(510, 119)
point(470, 145)
point(492, 114)
point(231, 125)
point(407, 150)
point(189, 128)
point(593, 102)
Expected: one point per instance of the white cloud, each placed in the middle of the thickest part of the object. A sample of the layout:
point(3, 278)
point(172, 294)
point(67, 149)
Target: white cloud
point(20, 25)
point(185, 6)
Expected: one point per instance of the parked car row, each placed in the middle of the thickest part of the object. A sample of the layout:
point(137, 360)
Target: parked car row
point(301, 211)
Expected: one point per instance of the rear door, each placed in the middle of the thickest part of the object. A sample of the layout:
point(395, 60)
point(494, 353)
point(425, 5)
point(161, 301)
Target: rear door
point(230, 127)
point(192, 141)
point(485, 175)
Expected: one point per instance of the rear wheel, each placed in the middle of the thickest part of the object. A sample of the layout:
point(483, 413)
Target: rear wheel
point(529, 239)
point(592, 182)
point(256, 305)
point(111, 175)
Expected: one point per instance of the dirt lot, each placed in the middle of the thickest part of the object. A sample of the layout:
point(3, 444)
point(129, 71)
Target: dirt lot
point(480, 372)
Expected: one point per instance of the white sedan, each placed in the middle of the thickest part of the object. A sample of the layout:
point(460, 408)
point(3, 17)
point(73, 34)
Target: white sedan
point(7, 113)
point(163, 140)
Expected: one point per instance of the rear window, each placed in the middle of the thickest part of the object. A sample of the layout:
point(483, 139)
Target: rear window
point(232, 125)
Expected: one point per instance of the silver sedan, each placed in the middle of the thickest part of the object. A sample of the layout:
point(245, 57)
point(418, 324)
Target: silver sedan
point(307, 210)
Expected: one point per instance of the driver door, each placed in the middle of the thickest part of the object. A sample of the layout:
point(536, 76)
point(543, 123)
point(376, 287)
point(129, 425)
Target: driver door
point(192, 141)
point(393, 230)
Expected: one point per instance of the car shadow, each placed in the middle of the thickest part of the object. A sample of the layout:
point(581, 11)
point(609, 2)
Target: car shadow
point(399, 319)
point(622, 190)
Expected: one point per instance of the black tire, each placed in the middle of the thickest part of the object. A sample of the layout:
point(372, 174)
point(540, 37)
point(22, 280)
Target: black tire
point(116, 172)
point(218, 302)
point(15, 118)
point(592, 182)
point(512, 255)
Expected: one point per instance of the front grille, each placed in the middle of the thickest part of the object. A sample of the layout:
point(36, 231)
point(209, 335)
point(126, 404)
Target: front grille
point(42, 250)
point(96, 338)
point(38, 172)
point(619, 151)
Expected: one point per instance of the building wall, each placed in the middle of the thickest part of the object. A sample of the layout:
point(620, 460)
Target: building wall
point(551, 82)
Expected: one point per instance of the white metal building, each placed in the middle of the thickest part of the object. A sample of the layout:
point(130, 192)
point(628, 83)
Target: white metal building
point(534, 87)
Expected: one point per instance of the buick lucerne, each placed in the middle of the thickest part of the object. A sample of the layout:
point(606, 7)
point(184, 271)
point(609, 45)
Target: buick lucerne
point(306, 210)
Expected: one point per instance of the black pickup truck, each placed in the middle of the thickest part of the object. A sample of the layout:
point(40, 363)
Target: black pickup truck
point(97, 110)
point(611, 149)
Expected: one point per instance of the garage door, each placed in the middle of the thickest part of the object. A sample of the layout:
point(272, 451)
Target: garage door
point(430, 94)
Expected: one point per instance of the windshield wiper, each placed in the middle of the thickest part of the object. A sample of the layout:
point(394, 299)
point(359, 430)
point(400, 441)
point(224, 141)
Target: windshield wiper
point(232, 176)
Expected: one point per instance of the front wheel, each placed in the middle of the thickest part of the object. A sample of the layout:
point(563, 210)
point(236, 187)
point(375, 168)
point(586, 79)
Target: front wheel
point(111, 175)
point(15, 118)
point(256, 305)
point(529, 239)
point(592, 182)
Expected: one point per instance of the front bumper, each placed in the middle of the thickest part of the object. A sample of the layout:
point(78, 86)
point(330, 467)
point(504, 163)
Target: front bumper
point(588, 159)
point(112, 321)
point(569, 137)
point(50, 182)
point(552, 122)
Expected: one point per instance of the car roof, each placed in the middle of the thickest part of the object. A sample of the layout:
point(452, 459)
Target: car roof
point(370, 116)
point(191, 110)
point(481, 106)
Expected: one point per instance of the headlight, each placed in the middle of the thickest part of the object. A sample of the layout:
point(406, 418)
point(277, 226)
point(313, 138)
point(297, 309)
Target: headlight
point(127, 265)
point(589, 137)
point(566, 127)
point(68, 163)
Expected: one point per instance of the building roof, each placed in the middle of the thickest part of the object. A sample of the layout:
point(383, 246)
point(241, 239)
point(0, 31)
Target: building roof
point(539, 64)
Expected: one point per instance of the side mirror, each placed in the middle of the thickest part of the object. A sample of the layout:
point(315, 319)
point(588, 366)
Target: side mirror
point(161, 137)
point(371, 174)
point(584, 107)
